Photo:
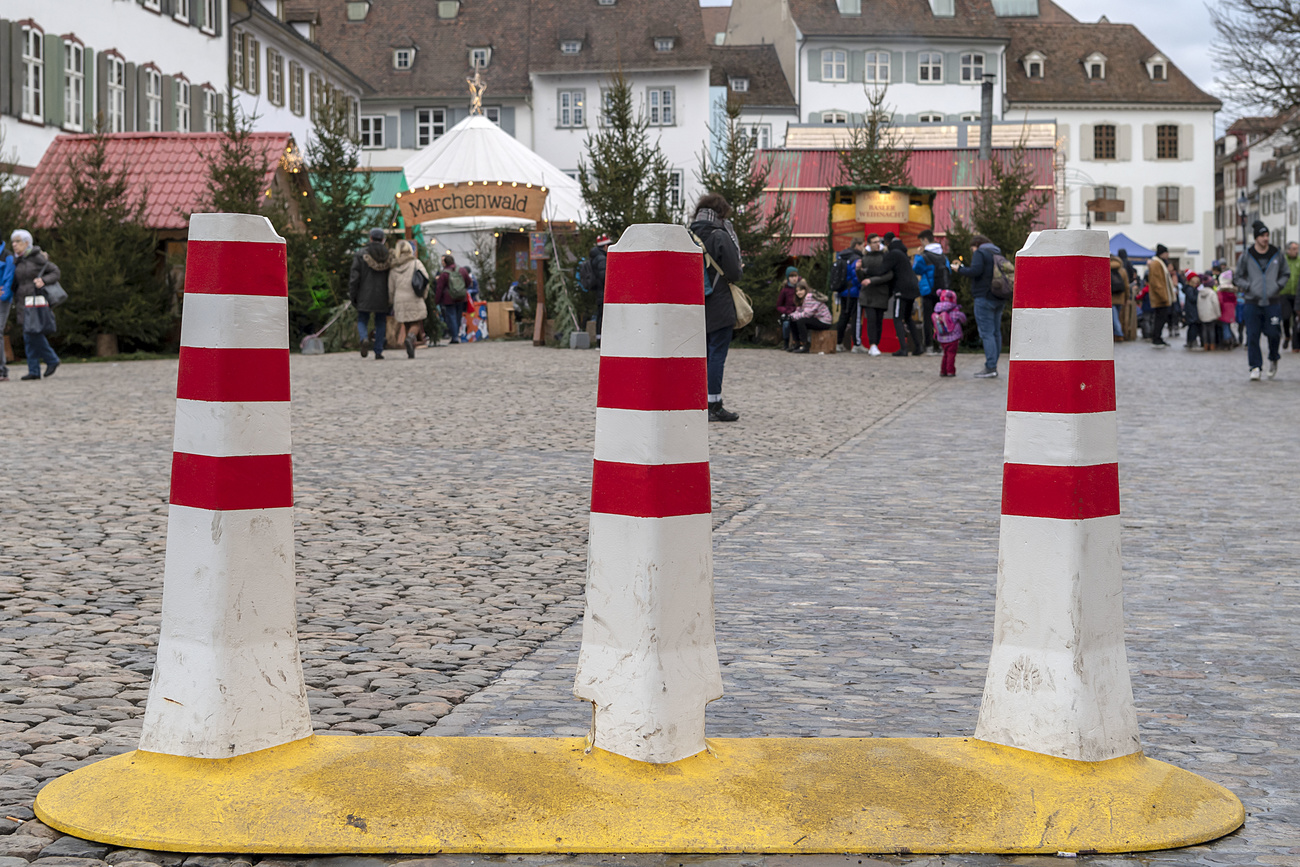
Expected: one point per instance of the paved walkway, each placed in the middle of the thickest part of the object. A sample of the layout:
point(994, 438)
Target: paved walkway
point(441, 532)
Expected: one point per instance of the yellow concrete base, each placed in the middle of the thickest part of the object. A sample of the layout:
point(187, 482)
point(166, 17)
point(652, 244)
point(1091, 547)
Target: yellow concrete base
point(784, 795)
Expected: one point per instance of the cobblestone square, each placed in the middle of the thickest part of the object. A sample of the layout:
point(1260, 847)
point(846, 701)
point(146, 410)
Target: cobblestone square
point(441, 531)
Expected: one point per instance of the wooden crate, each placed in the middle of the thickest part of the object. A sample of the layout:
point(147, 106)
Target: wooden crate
point(500, 319)
point(822, 341)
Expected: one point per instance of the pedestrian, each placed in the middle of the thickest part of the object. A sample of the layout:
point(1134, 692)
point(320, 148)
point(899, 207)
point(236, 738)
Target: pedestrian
point(904, 290)
point(1290, 337)
point(1118, 295)
point(988, 309)
point(722, 267)
point(368, 291)
point(844, 283)
point(409, 309)
point(873, 297)
point(948, 320)
point(519, 299)
point(6, 301)
point(1261, 274)
point(599, 257)
point(787, 302)
point(1208, 311)
point(812, 315)
point(1227, 310)
point(451, 291)
point(1162, 285)
point(32, 270)
point(1191, 297)
point(931, 269)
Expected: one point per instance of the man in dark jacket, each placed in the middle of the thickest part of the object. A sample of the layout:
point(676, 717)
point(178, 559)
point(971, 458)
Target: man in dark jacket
point(711, 226)
point(1261, 274)
point(599, 262)
point(904, 289)
point(988, 310)
point(873, 297)
point(368, 290)
point(32, 270)
point(849, 292)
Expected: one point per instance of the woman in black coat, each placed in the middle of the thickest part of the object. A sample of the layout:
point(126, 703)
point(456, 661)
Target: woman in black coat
point(715, 232)
point(904, 290)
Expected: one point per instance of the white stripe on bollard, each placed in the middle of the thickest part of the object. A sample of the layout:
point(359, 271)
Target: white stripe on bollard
point(232, 428)
point(1063, 334)
point(629, 436)
point(234, 322)
point(1061, 439)
point(652, 331)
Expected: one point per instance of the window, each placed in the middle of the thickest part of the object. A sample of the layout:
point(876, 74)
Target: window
point(675, 188)
point(357, 10)
point(115, 111)
point(211, 110)
point(403, 58)
point(571, 106)
point(430, 123)
point(372, 131)
point(210, 16)
point(1105, 193)
point(295, 88)
point(274, 77)
point(493, 113)
point(1035, 69)
point(33, 75)
point(1158, 71)
point(1167, 204)
point(930, 118)
point(252, 64)
point(1167, 141)
point(603, 3)
point(661, 103)
point(739, 85)
point(664, 43)
point(479, 58)
point(972, 68)
point(850, 7)
point(971, 117)
point(182, 105)
point(314, 97)
point(74, 86)
point(760, 135)
point(877, 69)
point(1095, 64)
point(835, 65)
point(153, 100)
point(606, 104)
point(237, 62)
point(930, 67)
point(1279, 201)
point(571, 46)
point(155, 5)
point(1265, 204)
point(834, 117)
point(1103, 141)
point(181, 10)
point(448, 8)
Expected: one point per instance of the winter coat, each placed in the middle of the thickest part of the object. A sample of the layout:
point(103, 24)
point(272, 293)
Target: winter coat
point(1162, 285)
point(1191, 295)
point(442, 286)
point(1262, 283)
point(1227, 306)
point(902, 280)
point(1118, 281)
point(786, 302)
point(813, 308)
point(980, 270)
point(407, 306)
point(949, 310)
point(368, 282)
point(931, 269)
point(599, 262)
point(1290, 287)
point(1207, 304)
point(851, 285)
point(26, 269)
point(876, 293)
point(716, 236)
point(6, 277)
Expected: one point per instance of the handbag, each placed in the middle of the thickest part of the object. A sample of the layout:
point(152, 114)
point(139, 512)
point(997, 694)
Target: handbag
point(38, 318)
point(744, 307)
point(54, 293)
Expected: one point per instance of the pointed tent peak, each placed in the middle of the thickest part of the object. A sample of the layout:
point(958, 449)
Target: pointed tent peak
point(1134, 250)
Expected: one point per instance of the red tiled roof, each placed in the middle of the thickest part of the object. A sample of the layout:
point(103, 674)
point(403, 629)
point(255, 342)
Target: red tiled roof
point(952, 174)
point(171, 166)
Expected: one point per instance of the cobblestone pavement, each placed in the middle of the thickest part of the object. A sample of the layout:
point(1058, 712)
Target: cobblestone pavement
point(441, 530)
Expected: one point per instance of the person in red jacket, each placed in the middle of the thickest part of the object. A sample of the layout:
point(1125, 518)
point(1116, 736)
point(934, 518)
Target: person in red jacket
point(787, 303)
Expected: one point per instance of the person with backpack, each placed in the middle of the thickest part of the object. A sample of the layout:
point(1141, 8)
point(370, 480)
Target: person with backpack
point(988, 307)
point(722, 267)
point(451, 291)
point(931, 269)
point(948, 320)
point(368, 292)
point(591, 277)
point(408, 287)
point(1118, 294)
point(1261, 274)
point(844, 283)
point(32, 270)
point(1208, 310)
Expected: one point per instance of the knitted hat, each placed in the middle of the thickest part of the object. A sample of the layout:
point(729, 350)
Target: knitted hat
point(1161, 249)
point(792, 270)
point(376, 234)
point(603, 240)
point(1259, 229)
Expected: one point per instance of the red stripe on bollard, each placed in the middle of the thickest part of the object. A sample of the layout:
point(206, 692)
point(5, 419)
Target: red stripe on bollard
point(1061, 386)
point(1068, 493)
point(227, 483)
point(652, 383)
point(233, 374)
point(650, 490)
point(1062, 281)
point(658, 277)
point(235, 268)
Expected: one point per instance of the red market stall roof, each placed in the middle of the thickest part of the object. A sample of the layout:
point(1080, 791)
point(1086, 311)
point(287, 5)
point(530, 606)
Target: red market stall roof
point(171, 166)
point(807, 177)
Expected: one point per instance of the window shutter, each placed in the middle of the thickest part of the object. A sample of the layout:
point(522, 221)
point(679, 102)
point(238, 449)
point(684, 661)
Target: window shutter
point(1123, 141)
point(896, 66)
point(857, 65)
point(165, 7)
point(88, 58)
point(909, 67)
point(856, 119)
point(16, 68)
point(168, 104)
point(196, 13)
point(1148, 141)
point(508, 119)
point(1186, 135)
point(1126, 196)
point(1148, 204)
point(952, 67)
point(814, 66)
point(101, 89)
point(407, 120)
point(198, 100)
point(128, 123)
point(215, 26)
point(1087, 143)
point(53, 80)
point(5, 49)
point(390, 131)
point(1063, 139)
point(1187, 205)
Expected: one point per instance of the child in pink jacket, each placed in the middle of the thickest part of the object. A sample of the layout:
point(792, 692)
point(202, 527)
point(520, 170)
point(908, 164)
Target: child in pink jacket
point(948, 320)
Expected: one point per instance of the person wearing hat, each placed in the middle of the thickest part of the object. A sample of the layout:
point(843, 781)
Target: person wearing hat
point(787, 303)
point(599, 257)
point(1261, 274)
point(368, 291)
point(1164, 287)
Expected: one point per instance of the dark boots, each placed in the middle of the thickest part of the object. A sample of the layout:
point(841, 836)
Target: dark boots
point(717, 412)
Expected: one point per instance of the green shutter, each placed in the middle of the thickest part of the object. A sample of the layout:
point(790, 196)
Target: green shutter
point(53, 80)
point(100, 116)
point(88, 107)
point(216, 25)
point(6, 48)
point(910, 64)
point(16, 68)
point(857, 65)
point(168, 104)
point(128, 109)
point(896, 66)
point(814, 66)
point(952, 67)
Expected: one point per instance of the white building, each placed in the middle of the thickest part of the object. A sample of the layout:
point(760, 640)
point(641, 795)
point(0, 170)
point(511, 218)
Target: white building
point(139, 65)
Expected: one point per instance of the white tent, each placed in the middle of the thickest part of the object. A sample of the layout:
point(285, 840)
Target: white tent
point(476, 149)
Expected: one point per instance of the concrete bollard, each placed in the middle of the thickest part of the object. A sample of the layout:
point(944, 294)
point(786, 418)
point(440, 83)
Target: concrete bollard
point(649, 661)
point(1058, 680)
point(228, 680)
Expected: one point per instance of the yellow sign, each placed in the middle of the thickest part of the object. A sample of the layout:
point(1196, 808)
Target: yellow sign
point(873, 206)
point(472, 199)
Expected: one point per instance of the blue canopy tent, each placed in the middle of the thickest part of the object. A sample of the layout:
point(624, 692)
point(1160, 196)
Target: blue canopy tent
point(1136, 252)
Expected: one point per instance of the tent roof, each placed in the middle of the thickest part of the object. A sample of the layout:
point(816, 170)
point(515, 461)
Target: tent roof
point(1120, 241)
point(476, 149)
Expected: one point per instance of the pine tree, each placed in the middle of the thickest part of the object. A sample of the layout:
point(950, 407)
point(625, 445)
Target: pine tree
point(237, 177)
point(627, 177)
point(739, 176)
point(108, 258)
point(336, 215)
point(873, 156)
point(1006, 206)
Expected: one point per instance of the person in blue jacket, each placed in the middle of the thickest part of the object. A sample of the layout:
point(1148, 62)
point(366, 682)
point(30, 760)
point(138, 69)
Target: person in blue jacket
point(931, 269)
point(6, 301)
point(988, 310)
point(849, 297)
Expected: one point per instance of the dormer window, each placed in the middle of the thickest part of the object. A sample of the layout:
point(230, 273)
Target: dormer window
point(1095, 66)
point(605, 2)
point(850, 7)
point(1033, 62)
point(479, 58)
point(448, 8)
point(403, 58)
point(664, 43)
point(739, 85)
point(571, 46)
point(1158, 67)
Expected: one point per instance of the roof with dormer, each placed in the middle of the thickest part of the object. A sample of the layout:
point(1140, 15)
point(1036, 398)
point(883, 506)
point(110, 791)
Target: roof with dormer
point(973, 19)
point(759, 65)
point(621, 34)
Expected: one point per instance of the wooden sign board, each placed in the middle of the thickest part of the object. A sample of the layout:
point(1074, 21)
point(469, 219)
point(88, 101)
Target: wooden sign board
point(1105, 206)
point(472, 199)
point(873, 206)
